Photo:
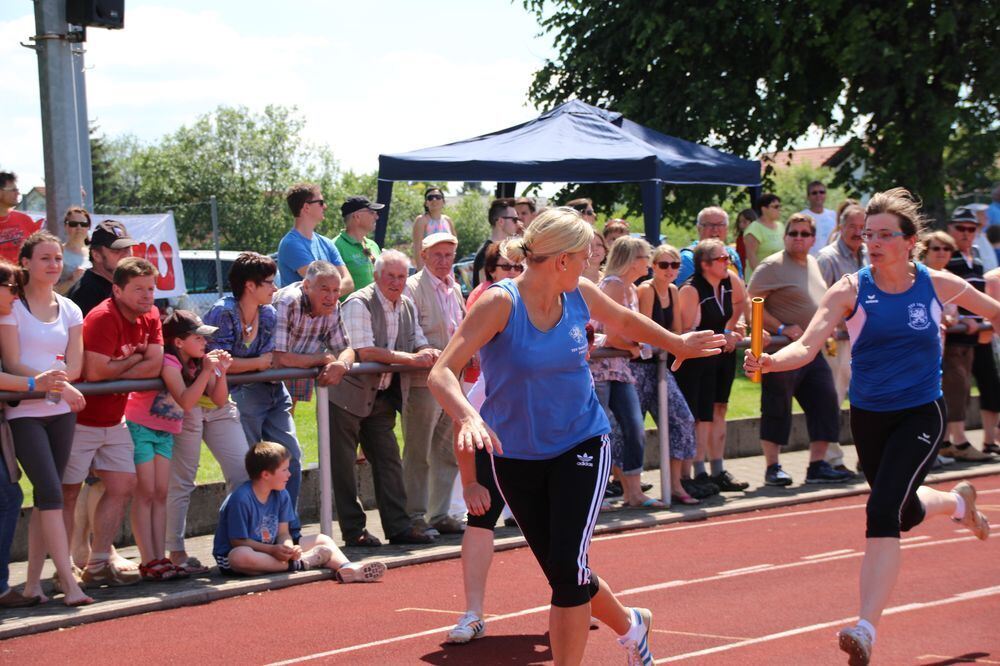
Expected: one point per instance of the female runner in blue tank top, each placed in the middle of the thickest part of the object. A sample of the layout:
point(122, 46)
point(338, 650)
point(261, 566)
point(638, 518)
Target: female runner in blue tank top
point(541, 419)
point(893, 313)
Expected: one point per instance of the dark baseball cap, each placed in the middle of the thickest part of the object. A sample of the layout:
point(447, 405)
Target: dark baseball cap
point(183, 322)
point(354, 204)
point(113, 235)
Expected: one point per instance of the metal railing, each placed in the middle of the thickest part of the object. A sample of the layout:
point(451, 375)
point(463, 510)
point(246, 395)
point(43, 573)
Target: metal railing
point(367, 368)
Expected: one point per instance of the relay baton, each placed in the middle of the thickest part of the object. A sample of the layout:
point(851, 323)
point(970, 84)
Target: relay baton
point(756, 331)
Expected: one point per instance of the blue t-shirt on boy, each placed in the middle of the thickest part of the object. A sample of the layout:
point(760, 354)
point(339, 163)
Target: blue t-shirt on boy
point(242, 516)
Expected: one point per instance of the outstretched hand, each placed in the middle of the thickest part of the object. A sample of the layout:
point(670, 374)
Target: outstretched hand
point(473, 433)
point(698, 344)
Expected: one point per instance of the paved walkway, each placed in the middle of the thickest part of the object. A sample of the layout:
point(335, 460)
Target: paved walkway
point(144, 597)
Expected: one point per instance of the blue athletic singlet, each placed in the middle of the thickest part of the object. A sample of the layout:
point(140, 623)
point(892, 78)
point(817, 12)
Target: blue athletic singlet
point(895, 345)
point(540, 395)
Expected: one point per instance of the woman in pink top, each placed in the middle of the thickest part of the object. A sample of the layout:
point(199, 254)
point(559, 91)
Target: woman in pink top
point(433, 221)
point(497, 268)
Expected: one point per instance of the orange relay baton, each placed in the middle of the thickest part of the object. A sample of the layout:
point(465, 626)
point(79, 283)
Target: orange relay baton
point(756, 331)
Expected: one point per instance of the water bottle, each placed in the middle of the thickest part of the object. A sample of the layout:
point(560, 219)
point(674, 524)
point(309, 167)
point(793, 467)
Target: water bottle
point(54, 395)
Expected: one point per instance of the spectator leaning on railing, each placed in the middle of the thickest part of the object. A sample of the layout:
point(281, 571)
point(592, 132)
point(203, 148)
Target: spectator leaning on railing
point(383, 327)
point(122, 339)
point(247, 323)
point(429, 466)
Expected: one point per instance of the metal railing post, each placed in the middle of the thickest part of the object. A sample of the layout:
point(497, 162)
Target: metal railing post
point(323, 443)
point(662, 429)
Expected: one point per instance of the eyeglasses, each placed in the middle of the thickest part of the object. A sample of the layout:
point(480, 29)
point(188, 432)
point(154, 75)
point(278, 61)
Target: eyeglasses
point(269, 281)
point(12, 188)
point(965, 228)
point(667, 265)
point(434, 197)
point(939, 248)
point(775, 205)
point(882, 236)
point(714, 225)
point(589, 211)
point(78, 225)
point(722, 260)
point(815, 192)
point(13, 286)
point(517, 268)
point(800, 234)
point(510, 217)
point(321, 202)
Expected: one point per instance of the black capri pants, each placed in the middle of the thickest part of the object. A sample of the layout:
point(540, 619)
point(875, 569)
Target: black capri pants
point(984, 370)
point(556, 503)
point(484, 477)
point(897, 450)
point(42, 445)
point(812, 385)
point(706, 382)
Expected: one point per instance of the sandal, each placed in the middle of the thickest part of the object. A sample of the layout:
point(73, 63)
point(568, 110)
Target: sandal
point(364, 540)
point(683, 499)
point(179, 572)
point(192, 566)
point(158, 570)
point(648, 503)
point(607, 506)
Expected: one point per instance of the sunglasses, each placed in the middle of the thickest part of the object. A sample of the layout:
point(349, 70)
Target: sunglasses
point(321, 202)
point(722, 260)
point(667, 265)
point(78, 225)
point(777, 205)
point(517, 268)
point(434, 197)
point(939, 248)
point(800, 234)
point(815, 192)
point(965, 228)
point(512, 218)
point(14, 288)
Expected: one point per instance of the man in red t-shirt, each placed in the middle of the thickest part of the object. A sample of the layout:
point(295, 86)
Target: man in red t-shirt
point(122, 339)
point(15, 226)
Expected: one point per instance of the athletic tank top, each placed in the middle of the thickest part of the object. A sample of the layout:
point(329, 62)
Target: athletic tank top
point(895, 345)
point(664, 316)
point(436, 226)
point(714, 310)
point(540, 396)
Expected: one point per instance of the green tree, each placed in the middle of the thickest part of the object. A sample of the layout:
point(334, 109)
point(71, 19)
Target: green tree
point(902, 81)
point(471, 223)
point(790, 184)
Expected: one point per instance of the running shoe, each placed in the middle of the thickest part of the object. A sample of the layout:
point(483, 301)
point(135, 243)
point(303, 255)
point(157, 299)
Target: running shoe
point(822, 472)
point(469, 627)
point(696, 490)
point(968, 453)
point(705, 481)
point(775, 476)
point(317, 557)
point(991, 448)
point(973, 518)
point(361, 572)
point(857, 643)
point(637, 651)
point(727, 483)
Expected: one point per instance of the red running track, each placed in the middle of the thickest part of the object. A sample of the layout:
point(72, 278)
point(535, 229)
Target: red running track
point(769, 587)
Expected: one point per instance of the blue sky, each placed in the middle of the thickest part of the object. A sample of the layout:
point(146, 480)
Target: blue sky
point(371, 77)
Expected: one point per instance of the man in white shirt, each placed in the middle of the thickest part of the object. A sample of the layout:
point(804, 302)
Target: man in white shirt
point(825, 219)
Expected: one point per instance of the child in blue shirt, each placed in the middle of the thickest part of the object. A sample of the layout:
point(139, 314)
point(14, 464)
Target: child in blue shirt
point(252, 536)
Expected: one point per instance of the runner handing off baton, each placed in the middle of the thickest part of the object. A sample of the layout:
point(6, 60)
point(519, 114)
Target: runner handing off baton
point(893, 311)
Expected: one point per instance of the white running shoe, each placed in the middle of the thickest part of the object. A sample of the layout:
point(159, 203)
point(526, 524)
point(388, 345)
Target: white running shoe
point(857, 643)
point(468, 628)
point(637, 652)
point(973, 518)
point(317, 557)
point(361, 572)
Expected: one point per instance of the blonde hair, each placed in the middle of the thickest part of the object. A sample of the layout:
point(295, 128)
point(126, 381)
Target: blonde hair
point(554, 231)
point(623, 252)
point(665, 249)
point(942, 237)
point(899, 202)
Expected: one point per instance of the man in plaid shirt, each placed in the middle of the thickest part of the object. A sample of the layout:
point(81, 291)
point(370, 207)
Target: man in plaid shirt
point(310, 333)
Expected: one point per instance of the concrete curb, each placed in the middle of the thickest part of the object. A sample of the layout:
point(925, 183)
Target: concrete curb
point(213, 591)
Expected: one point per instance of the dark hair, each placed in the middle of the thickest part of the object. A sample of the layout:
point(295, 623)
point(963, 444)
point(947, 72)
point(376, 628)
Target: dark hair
point(993, 233)
point(529, 202)
point(250, 267)
point(28, 249)
point(428, 191)
point(766, 200)
point(497, 207)
point(9, 273)
point(493, 257)
point(132, 267)
point(7, 177)
point(703, 251)
point(581, 204)
point(74, 210)
point(813, 182)
point(189, 370)
point(264, 457)
point(297, 196)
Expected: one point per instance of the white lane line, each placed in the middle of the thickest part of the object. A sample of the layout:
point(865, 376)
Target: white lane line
point(914, 539)
point(958, 598)
point(755, 567)
point(635, 590)
point(819, 556)
point(699, 635)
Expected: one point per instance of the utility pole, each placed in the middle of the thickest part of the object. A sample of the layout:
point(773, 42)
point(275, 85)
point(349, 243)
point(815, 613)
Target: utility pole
point(64, 112)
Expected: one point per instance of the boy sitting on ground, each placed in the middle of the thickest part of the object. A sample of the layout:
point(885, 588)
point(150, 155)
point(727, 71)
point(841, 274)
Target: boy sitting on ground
point(252, 536)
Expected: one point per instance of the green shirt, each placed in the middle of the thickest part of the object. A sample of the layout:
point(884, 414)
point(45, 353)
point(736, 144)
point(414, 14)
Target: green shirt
point(359, 259)
point(769, 241)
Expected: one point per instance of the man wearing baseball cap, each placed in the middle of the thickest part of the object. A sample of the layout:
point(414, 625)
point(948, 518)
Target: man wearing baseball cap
point(109, 244)
point(357, 250)
point(968, 355)
point(429, 465)
point(302, 245)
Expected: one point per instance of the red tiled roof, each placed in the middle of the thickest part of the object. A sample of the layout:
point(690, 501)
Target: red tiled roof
point(817, 157)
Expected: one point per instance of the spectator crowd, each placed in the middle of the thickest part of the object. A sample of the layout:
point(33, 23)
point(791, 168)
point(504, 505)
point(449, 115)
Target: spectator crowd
point(82, 309)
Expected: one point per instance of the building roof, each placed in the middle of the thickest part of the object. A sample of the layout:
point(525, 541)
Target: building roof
point(817, 157)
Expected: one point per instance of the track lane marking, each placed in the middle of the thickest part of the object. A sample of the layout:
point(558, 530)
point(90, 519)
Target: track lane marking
point(819, 556)
point(745, 569)
point(699, 635)
point(914, 538)
point(630, 591)
point(906, 608)
point(957, 660)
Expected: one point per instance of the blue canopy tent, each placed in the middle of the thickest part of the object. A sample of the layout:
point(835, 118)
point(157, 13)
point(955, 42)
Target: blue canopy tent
point(577, 143)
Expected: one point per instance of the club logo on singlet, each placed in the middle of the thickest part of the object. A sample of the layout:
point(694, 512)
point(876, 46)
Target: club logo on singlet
point(584, 460)
point(919, 319)
point(577, 334)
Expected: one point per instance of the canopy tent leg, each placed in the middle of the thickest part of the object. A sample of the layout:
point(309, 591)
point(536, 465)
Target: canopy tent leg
point(652, 209)
point(505, 190)
point(384, 196)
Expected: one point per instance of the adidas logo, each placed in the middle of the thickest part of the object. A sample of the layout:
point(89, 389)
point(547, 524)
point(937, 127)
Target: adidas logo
point(584, 460)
